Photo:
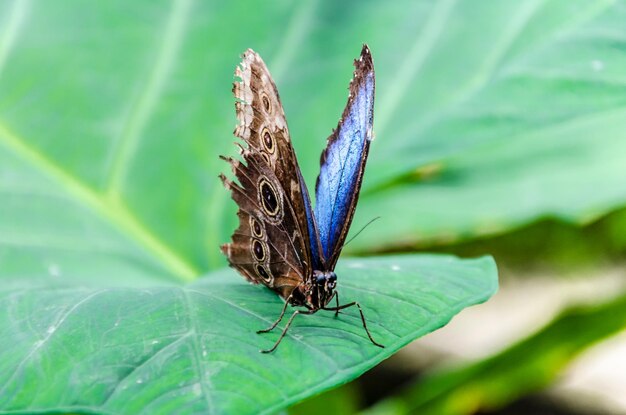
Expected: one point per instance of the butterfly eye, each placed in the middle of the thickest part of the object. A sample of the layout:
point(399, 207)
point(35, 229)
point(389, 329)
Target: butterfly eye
point(268, 140)
point(263, 273)
point(266, 103)
point(269, 200)
point(256, 228)
point(258, 250)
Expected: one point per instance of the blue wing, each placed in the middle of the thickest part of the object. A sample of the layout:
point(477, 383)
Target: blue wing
point(342, 165)
point(314, 239)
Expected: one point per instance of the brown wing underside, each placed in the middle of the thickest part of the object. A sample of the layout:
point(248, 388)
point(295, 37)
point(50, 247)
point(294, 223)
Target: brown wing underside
point(270, 246)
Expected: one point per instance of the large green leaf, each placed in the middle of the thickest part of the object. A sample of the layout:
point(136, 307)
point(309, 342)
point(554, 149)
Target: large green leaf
point(192, 349)
point(112, 115)
point(505, 186)
point(525, 367)
point(531, 125)
point(111, 118)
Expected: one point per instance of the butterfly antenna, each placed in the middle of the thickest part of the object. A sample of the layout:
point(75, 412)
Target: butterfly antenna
point(361, 230)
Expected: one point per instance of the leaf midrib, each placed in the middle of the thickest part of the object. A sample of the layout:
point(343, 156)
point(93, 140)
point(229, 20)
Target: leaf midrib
point(110, 205)
point(112, 210)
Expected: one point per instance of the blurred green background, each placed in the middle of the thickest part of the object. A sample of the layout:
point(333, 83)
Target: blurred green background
point(500, 129)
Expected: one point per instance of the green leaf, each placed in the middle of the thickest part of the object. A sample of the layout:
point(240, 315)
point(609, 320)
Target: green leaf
point(520, 120)
point(194, 349)
point(343, 400)
point(554, 248)
point(112, 116)
point(111, 119)
point(525, 367)
point(497, 188)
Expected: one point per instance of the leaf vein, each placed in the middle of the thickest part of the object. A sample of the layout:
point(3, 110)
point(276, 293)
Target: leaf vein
point(124, 150)
point(39, 344)
point(12, 27)
point(116, 214)
point(144, 363)
point(294, 36)
point(422, 47)
point(195, 354)
point(317, 350)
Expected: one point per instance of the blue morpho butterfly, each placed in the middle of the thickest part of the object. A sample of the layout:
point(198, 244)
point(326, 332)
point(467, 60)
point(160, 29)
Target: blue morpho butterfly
point(281, 241)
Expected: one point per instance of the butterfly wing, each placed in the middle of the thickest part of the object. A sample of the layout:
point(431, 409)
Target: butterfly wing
point(270, 246)
point(343, 162)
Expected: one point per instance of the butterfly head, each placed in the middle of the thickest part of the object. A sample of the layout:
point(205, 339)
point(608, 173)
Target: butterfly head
point(323, 287)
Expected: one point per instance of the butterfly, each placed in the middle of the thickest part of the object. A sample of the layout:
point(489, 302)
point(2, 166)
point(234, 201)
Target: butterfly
point(282, 242)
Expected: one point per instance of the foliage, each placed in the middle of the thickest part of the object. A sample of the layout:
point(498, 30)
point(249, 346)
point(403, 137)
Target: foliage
point(194, 349)
point(112, 114)
point(525, 367)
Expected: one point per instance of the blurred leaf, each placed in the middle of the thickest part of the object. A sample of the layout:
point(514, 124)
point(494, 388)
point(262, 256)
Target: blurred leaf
point(193, 348)
point(343, 400)
point(112, 116)
point(522, 119)
point(571, 172)
point(551, 246)
point(525, 367)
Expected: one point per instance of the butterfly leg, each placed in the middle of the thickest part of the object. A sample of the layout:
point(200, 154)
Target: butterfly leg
point(282, 314)
point(295, 313)
point(336, 309)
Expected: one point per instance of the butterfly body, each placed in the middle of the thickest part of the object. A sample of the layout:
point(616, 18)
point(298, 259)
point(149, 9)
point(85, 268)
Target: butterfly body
point(281, 241)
